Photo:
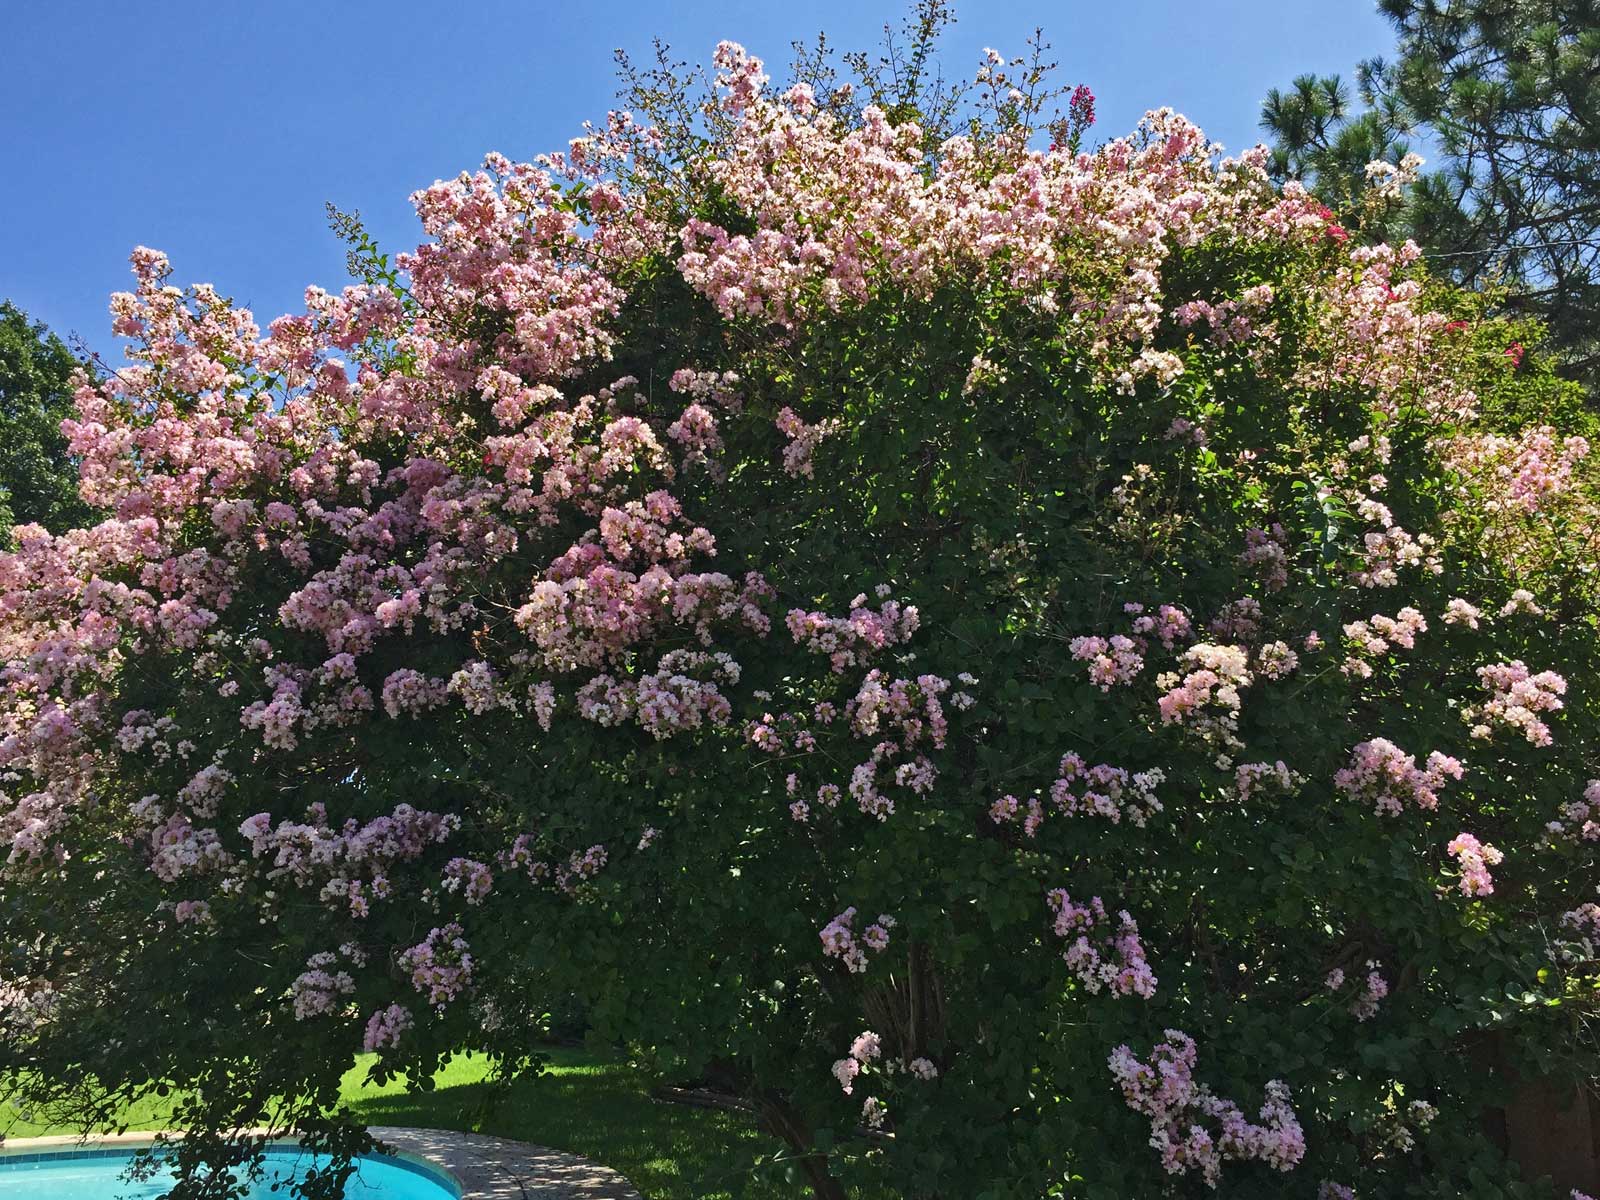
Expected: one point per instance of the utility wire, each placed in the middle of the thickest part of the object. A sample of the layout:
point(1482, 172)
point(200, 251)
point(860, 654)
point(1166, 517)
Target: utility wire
point(1534, 246)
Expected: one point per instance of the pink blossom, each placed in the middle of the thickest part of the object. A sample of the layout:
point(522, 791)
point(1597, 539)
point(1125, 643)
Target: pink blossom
point(1365, 1005)
point(1516, 699)
point(1459, 612)
point(1207, 695)
point(318, 991)
point(1266, 552)
point(853, 640)
point(803, 440)
point(1377, 636)
point(1387, 777)
point(839, 939)
point(1579, 819)
point(441, 965)
point(1252, 779)
point(1103, 791)
point(473, 880)
point(1111, 661)
point(385, 1028)
point(1475, 859)
point(409, 693)
point(1102, 955)
point(1193, 1129)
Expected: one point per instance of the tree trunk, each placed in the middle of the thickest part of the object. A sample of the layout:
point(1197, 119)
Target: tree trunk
point(1549, 1127)
point(782, 1120)
point(1550, 1131)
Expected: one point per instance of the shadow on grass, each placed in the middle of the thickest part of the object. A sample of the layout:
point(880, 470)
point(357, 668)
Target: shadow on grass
point(602, 1110)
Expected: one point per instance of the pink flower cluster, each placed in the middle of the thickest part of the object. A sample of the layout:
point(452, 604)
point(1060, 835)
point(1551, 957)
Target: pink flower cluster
point(866, 1051)
point(1474, 858)
point(853, 640)
point(179, 850)
point(1580, 819)
point(440, 965)
point(1081, 790)
point(592, 608)
point(839, 939)
point(411, 693)
point(904, 721)
point(472, 879)
point(319, 990)
point(695, 431)
point(1206, 695)
point(193, 912)
point(1105, 791)
point(1373, 333)
point(863, 1051)
point(1577, 940)
point(1239, 621)
point(476, 686)
point(1080, 107)
point(1100, 954)
point(386, 1027)
point(564, 875)
point(1516, 700)
point(1375, 637)
point(1114, 660)
point(1252, 779)
point(1266, 551)
point(1386, 776)
point(1118, 659)
point(908, 715)
point(682, 694)
point(579, 867)
point(1229, 322)
point(1521, 602)
point(842, 209)
point(803, 440)
point(1364, 1006)
point(1192, 1129)
point(1459, 612)
point(350, 864)
point(1184, 430)
point(1523, 474)
point(27, 1004)
point(1387, 552)
point(1168, 624)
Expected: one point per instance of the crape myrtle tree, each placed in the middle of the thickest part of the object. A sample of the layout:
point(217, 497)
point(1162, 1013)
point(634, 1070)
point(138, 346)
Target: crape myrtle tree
point(1048, 671)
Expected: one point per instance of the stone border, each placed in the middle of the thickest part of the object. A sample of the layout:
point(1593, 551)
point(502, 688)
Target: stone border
point(485, 1168)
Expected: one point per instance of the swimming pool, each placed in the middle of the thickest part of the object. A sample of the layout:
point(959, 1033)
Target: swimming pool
point(79, 1174)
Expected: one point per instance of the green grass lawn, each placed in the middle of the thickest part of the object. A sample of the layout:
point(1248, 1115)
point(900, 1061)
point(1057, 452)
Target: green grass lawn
point(584, 1102)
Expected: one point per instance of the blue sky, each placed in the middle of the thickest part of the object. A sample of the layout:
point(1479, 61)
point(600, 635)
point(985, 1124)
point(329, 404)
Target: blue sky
point(216, 129)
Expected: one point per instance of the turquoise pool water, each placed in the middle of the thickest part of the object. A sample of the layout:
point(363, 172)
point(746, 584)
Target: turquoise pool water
point(98, 1175)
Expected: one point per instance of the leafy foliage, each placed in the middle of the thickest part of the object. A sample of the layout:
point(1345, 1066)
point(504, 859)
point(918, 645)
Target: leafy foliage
point(38, 480)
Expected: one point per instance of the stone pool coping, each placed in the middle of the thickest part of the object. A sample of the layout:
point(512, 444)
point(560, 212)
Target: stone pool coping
point(484, 1168)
